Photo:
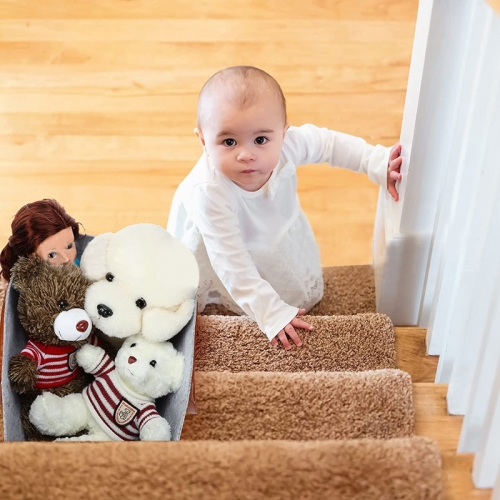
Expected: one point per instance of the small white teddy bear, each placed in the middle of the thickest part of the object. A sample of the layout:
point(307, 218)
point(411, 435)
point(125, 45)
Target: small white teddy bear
point(119, 404)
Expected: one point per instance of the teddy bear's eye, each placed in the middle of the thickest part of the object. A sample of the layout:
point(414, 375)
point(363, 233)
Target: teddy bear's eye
point(110, 277)
point(133, 345)
point(153, 363)
point(62, 304)
point(141, 303)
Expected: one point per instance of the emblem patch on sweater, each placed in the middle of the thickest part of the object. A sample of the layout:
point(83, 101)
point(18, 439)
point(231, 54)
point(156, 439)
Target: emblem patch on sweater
point(72, 361)
point(125, 412)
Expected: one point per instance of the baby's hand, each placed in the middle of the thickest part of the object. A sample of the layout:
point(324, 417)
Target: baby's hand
point(290, 331)
point(393, 170)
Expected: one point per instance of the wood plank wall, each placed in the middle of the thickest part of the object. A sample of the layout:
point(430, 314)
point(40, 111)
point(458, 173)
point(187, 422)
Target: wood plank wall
point(98, 100)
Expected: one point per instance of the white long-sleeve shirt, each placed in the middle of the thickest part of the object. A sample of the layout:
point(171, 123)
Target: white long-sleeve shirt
point(256, 251)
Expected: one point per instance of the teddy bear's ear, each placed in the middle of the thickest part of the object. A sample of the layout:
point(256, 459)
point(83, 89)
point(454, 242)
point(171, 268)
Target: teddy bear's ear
point(93, 262)
point(25, 270)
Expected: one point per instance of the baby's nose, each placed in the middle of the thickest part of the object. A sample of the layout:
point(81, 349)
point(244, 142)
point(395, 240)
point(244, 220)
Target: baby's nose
point(245, 155)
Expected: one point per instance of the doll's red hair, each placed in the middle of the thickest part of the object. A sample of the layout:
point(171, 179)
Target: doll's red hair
point(33, 224)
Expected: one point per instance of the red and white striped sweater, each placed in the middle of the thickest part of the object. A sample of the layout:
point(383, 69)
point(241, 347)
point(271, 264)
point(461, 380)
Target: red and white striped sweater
point(56, 364)
point(120, 411)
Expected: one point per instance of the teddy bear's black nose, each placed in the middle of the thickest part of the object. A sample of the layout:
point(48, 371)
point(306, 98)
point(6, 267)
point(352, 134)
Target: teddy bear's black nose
point(104, 311)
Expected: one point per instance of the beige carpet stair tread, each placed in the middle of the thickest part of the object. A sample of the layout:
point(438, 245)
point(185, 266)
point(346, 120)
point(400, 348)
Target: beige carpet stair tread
point(338, 343)
point(347, 290)
point(301, 406)
point(407, 468)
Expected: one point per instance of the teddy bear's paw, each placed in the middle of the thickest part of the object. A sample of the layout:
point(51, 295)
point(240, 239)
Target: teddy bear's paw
point(23, 373)
point(156, 429)
point(55, 416)
point(89, 356)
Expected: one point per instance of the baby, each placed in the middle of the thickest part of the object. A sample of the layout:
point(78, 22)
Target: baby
point(238, 209)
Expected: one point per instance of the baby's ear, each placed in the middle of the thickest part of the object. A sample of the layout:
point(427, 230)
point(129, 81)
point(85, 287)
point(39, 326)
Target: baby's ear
point(93, 263)
point(25, 270)
point(199, 134)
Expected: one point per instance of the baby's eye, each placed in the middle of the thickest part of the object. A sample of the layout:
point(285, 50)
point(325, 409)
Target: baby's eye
point(153, 363)
point(69, 246)
point(229, 142)
point(261, 140)
point(52, 255)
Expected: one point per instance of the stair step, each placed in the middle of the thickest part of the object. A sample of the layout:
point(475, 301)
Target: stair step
point(301, 406)
point(406, 468)
point(348, 290)
point(338, 343)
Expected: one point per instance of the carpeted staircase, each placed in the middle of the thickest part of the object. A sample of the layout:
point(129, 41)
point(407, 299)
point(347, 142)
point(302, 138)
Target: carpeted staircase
point(331, 420)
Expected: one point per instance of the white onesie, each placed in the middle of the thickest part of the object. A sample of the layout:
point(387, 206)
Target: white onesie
point(256, 251)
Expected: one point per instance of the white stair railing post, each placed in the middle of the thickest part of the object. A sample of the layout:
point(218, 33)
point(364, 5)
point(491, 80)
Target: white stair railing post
point(404, 230)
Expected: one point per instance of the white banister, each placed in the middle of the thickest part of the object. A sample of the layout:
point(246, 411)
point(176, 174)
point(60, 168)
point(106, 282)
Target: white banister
point(404, 230)
point(482, 385)
point(474, 193)
point(496, 489)
point(487, 459)
point(477, 294)
point(437, 252)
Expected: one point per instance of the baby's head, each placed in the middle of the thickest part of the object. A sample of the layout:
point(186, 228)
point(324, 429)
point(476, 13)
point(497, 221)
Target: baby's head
point(242, 123)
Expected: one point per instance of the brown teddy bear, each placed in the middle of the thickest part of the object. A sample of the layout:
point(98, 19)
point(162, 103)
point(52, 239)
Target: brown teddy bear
point(50, 310)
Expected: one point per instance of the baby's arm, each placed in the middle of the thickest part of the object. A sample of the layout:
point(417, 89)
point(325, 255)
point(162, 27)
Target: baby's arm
point(311, 144)
point(233, 264)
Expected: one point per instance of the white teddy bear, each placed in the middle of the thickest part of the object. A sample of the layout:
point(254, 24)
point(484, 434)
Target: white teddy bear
point(145, 281)
point(119, 404)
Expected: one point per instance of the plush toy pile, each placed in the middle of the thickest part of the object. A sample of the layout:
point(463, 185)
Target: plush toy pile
point(138, 287)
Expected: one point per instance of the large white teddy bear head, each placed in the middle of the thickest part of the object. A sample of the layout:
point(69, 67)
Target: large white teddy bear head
point(144, 281)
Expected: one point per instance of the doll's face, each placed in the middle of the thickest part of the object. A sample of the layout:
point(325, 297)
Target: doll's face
point(59, 248)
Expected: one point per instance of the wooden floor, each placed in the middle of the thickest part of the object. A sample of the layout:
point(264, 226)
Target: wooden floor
point(98, 101)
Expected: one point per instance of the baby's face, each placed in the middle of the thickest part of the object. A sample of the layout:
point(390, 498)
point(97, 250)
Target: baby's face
point(244, 144)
